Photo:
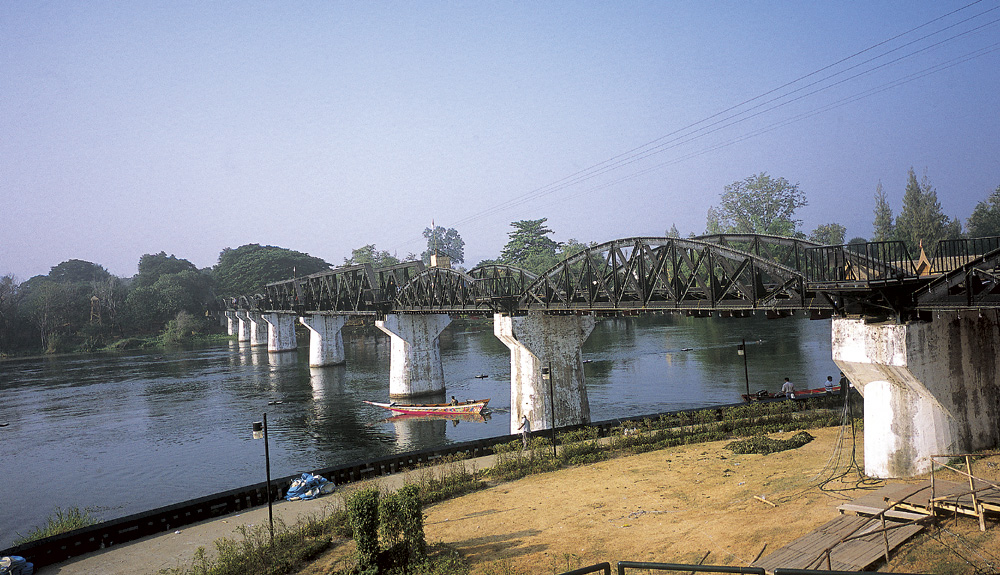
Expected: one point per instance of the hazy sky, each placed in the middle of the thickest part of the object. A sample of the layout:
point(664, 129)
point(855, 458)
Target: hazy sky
point(137, 127)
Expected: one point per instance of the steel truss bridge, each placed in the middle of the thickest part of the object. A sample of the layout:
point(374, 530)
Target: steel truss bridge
point(730, 274)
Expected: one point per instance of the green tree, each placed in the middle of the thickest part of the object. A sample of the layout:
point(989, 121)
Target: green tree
point(829, 234)
point(884, 230)
point(921, 219)
point(150, 308)
point(985, 219)
point(758, 204)
point(446, 242)
point(369, 254)
point(529, 246)
point(248, 268)
point(78, 271)
point(10, 307)
point(672, 232)
point(58, 310)
point(152, 266)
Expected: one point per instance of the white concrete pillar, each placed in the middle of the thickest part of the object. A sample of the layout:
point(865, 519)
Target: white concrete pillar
point(258, 329)
point(539, 341)
point(414, 353)
point(326, 343)
point(280, 331)
point(930, 388)
point(232, 323)
point(243, 333)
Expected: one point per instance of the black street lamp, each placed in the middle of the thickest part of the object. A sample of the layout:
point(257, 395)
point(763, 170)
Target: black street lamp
point(547, 377)
point(742, 350)
point(260, 431)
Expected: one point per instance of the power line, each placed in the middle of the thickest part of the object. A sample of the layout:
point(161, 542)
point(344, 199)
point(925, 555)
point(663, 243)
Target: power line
point(705, 126)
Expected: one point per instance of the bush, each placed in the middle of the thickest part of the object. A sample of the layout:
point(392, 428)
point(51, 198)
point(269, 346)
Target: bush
point(59, 522)
point(362, 512)
point(763, 445)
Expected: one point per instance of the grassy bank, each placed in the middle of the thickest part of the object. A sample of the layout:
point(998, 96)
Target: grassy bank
point(295, 547)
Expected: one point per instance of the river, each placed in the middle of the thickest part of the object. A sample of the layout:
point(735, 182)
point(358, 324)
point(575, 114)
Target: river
point(123, 433)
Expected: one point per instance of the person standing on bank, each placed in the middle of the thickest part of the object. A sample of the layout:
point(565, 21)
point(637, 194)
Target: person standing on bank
point(828, 386)
point(845, 384)
point(525, 429)
point(788, 388)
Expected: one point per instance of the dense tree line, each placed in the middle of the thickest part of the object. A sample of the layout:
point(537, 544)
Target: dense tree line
point(79, 305)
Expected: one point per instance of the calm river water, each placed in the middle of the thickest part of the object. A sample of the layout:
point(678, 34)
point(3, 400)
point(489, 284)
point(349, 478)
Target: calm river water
point(120, 434)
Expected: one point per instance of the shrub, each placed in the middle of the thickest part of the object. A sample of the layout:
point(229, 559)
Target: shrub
point(362, 512)
point(59, 522)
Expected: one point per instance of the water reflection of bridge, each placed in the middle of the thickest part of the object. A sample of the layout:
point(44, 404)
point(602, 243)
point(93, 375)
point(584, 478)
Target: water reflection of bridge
point(919, 335)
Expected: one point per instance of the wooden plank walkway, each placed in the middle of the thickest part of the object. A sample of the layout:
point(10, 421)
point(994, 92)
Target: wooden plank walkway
point(915, 499)
point(808, 551)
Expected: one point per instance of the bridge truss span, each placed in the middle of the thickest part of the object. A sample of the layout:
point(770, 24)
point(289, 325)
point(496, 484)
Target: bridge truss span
point(649, 273)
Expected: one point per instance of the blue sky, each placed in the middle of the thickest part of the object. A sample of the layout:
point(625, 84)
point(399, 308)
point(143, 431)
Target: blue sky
point(187, 127)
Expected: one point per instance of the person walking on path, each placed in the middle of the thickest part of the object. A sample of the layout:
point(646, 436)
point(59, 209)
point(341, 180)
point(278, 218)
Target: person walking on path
point(525, 429)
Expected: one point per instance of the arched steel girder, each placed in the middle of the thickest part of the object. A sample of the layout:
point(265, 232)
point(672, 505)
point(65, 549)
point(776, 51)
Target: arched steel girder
point(360, 289)
point(669, 274)
point(441, 290)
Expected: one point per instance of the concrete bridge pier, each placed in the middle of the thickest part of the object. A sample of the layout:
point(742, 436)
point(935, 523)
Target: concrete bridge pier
point(280, 331)
point(232, 323)
point(258, 329)
point(415, 353)
point(930, 388)
point(243, 326)
point(553, 342)
point(326, 343)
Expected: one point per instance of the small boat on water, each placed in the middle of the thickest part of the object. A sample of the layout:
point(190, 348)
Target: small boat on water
point(764, 395)
point(482, 417)
point(474, 407)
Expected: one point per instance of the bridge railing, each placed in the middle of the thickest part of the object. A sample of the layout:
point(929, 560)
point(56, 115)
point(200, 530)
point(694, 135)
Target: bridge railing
point(862, 263)
point(952, 254)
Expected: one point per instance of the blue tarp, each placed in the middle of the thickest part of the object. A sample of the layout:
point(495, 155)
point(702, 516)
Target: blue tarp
point(308, 486)
point(15, 565)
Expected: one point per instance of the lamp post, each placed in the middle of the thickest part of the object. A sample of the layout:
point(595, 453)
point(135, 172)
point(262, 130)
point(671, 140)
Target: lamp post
point(547, 376)
point(742, 350)
point(260, 431)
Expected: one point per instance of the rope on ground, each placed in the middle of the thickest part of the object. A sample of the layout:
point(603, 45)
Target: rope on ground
point(830, 470)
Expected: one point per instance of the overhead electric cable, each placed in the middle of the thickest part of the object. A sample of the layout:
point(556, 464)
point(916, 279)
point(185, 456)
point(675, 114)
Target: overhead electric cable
point(704, 126)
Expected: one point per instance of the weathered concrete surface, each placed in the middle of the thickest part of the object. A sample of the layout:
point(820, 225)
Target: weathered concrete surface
point(930, 388)
point(280, 331)
point(414, 353)
point(232, 323)
point(243, 333)
point(326, 342)
point(536, 341)
point(258, 329)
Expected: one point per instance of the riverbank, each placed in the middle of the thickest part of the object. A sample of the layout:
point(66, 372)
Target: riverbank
point(689, 503)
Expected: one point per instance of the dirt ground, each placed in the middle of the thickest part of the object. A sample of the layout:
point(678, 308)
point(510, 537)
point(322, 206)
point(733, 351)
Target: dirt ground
point(679, 505)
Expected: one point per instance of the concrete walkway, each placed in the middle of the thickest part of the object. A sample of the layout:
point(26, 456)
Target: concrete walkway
point(150, 555)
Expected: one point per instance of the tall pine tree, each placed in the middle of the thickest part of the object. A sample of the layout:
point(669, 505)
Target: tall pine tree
point(921, 219)
point(884, 229)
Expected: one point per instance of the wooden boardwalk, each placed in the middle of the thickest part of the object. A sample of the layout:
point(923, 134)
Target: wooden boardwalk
point(856, 554)
point(915, 500)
